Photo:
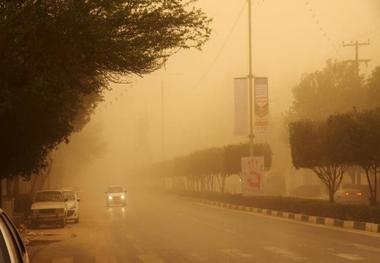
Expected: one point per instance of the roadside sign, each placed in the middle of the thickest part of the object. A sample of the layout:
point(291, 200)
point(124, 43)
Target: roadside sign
point(252, 174)
point(261, 104)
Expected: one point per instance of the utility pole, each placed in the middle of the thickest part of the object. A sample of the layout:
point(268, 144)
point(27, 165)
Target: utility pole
point(357, 61)
point(162, 120)
point(250, 78)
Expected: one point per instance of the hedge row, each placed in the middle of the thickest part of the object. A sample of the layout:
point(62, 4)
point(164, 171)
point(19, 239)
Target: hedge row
point(311, 207)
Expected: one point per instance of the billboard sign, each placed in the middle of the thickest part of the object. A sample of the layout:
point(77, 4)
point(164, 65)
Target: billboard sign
point(252, 174)
point(261, 103)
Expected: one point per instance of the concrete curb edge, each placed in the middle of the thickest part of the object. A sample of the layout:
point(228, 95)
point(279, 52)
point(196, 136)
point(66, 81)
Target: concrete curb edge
point(334, 222)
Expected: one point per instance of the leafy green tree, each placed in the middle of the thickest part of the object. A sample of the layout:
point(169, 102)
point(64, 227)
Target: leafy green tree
point(56, 58)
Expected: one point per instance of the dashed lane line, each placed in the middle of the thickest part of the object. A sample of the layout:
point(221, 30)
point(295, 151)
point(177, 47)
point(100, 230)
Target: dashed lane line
point(365, 247)
point(150, 259)
point(285, 253)
point(105, 259)
point(237, 253)
point(351, 257)
point(63, 260)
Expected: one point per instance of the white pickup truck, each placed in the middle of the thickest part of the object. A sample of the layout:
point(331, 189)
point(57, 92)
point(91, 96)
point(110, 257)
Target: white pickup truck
point(116, 195)
point(48, 207)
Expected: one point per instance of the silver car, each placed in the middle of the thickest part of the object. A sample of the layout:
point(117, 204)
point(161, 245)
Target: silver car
point(72, 204)
point(12, 248)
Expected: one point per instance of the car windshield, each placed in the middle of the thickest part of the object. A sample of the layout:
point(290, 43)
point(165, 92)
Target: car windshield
point(115, 189)
point(49, 196)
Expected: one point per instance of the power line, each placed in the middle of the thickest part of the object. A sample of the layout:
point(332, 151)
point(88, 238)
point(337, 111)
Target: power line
point(220, 51)
point(321, 28)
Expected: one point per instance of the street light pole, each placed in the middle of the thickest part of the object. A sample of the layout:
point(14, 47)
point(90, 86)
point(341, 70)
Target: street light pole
point(250, 78)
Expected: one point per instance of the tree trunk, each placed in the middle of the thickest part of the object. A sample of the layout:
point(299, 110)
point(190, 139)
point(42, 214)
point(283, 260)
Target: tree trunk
point(331, 195)
point(224, 182)
point(16, 185)
point(1, 192)
point(372, 197)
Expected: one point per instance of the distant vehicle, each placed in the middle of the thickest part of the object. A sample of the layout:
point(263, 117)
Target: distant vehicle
point(72, 205)
point(352, 193)
point(116, 195)
point(48, 207)
point(12, 248)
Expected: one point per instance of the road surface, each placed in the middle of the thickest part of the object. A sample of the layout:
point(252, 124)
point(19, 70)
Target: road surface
point(158, 228)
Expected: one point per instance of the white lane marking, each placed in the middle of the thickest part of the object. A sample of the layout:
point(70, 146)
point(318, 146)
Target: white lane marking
point(351, 257)
point(200, 258)
point(105, 259)
point(285, 253)
point(229, 231)
point(365, 247)
point(254, 214)
point(236, 253)
point(150, 259)
point(63, 260)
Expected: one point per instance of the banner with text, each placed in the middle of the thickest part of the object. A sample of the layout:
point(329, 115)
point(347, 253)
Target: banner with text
point(252, 174)
point(241, 106)
point(261, 104)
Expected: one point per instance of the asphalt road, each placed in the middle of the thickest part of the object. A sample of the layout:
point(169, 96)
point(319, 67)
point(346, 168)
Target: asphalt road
point(159, 228)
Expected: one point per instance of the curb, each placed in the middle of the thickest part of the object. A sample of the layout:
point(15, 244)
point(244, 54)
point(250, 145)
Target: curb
point(333, 222)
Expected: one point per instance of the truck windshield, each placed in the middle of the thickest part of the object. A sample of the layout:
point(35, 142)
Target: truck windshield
point(115, 189)
point(49, 197)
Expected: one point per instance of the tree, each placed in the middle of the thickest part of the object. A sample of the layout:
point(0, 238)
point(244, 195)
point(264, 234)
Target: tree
point(335, 89)
point(317, 146)
point(57, 57)
point(373, 85)
point(365, 147)
point(205, 167)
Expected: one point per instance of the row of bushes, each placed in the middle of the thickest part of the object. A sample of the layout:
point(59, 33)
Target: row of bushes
point(311, 207)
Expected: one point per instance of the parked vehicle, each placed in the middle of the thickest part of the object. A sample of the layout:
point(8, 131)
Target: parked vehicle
point(48, 207)
point(116, 195)
point(72, 205)
point(351, 193)
point(11, 245)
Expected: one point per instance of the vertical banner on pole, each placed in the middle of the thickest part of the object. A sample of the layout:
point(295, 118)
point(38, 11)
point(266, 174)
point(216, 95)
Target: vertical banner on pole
point(241, 106)
point(261, 104)
point(252, 174)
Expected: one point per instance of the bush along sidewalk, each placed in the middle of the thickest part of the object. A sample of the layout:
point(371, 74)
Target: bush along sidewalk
point(355, 216)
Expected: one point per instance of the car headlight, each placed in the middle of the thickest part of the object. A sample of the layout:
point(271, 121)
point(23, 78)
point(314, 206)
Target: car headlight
point(109, 197)
point(123, 197)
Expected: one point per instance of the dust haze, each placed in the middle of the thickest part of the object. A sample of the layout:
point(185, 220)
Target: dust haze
point(188, 105)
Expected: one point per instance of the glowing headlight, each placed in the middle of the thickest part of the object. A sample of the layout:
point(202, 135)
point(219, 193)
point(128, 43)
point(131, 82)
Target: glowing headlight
point(109, 197)
point(123, 197)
